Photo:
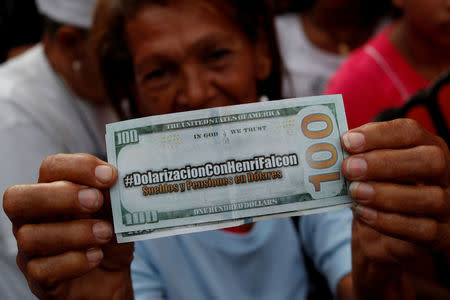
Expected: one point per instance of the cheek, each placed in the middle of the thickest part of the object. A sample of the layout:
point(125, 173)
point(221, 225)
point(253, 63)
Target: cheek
point(243, 88)
point(154, 103)
point(241, 80)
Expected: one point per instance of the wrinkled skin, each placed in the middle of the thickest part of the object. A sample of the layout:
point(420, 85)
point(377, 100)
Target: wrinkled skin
point(59, 253)
point(402, 211)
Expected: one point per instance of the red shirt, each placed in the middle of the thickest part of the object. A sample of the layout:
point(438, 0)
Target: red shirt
point(373, 78)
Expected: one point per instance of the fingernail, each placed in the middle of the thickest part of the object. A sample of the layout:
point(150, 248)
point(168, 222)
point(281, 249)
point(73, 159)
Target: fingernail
point(356, 167)
point(354, 141)
point(366, 214)
point(361, 191)
point(102, 231)
point(104, 173)
point(94, 255)
point(88, 199)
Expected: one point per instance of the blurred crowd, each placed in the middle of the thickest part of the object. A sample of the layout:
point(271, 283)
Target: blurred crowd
point(68, 67)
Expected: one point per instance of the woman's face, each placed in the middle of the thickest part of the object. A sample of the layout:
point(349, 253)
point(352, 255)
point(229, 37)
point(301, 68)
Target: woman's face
point(188, 55)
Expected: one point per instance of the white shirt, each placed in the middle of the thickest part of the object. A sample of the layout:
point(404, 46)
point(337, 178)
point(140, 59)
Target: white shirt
point(307, 68)
point(40, 116)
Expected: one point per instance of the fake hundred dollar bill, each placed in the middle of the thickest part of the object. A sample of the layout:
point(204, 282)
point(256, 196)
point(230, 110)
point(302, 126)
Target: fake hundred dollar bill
point(226, 166)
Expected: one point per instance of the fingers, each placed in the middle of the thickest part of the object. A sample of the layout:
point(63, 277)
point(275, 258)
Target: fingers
point(382, 248)
point(44, 202)
point(83, 169)
point(416, 214)
point(418, 164)
point(57, 238)
point(407, 199)
point(396, 134)
point(49, 271)
point(408, 228)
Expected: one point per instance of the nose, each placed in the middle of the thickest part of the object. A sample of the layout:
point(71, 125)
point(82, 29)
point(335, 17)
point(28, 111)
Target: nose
point(197, 89)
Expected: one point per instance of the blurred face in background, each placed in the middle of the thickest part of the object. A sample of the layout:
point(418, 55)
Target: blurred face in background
point(188, 55)
point(428, 18)
point(86, 78)
point(70, 55)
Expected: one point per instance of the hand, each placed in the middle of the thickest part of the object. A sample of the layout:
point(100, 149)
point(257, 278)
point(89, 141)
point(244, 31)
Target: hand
point(65, 243)
point(400, 175)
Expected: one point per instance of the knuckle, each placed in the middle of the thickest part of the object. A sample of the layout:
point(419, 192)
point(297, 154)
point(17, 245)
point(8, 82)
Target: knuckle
point(85, 158)
point(414, 130)
point(391, 254)
point(10, 200)
point(63, 185)
point(435, 199)
point(438, 161)
point(39, 273)
point(48, 165)
point(25, 239)
point(429, 231)
point(382, 252)
point(441, 142)
point(13, 200)
point(409, 124)
point(21, 263)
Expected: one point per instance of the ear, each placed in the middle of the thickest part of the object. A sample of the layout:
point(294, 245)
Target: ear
point(71, 41)
point(263, 57)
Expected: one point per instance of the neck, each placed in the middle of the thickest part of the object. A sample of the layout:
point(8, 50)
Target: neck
point(425, 55)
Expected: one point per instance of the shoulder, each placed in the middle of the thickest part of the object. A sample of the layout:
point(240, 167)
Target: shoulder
point(288, 28)
point(285, 21)
point(361, 67)
point(29, 88)
point(21, 70)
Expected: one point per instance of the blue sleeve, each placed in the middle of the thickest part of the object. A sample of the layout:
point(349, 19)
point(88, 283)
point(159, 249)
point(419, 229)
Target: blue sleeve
point(147, 282)
point(326, 239)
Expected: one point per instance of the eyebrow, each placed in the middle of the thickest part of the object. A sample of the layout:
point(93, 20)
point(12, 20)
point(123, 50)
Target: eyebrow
point(212, 38)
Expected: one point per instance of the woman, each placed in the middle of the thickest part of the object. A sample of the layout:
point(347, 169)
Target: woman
point(401, 60)
point(163, 61)
point(317, 35)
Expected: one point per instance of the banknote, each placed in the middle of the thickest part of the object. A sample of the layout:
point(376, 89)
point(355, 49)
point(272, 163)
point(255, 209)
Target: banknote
point(220, 167)
point(164, 232)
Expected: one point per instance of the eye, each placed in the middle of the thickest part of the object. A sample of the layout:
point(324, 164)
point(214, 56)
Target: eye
point(220, 53)
point(155, 75)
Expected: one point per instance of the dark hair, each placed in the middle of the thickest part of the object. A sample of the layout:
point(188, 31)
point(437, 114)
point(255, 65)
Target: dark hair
point(115, 62)
point(370, 10)
point(51, 27)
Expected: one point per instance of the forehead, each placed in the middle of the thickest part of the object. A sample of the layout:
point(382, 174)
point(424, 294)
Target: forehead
point(161, 28)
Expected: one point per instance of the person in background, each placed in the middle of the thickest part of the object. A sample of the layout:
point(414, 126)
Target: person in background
point(315, 39)
point(51, 101)
point(165, 61)
point(401, 60)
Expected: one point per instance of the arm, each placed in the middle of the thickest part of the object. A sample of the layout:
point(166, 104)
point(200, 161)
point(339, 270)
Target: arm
point(345, 288)
point(65, 245)
point(326, 238)
point(400, 175)
point(146, 274)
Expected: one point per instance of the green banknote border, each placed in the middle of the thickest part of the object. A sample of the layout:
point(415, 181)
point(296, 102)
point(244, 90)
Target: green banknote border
point(162, 127)
point(284, 112)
